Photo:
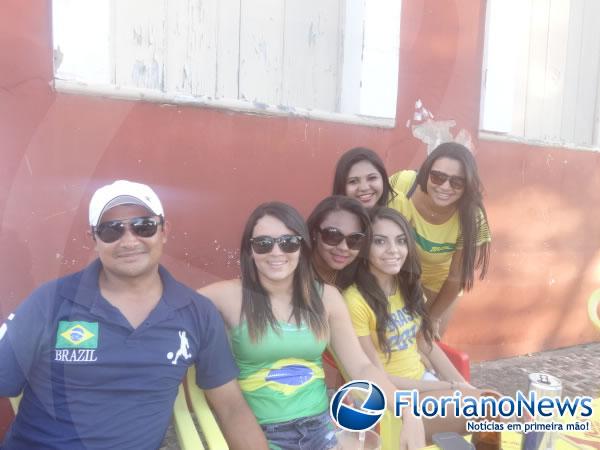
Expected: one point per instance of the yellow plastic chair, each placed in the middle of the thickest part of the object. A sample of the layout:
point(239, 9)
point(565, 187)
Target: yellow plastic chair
point(593, 303)
point(187, 435)
point(208, 424)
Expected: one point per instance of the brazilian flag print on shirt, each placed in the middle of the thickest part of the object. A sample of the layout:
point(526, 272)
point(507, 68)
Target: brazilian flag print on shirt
point(77, 334)
point(281, 375)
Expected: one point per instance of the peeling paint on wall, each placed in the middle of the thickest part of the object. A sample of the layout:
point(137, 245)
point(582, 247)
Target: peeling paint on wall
point(148, 76)
point(58, 57)
point(302, 55)
point(435, 132)
point(312, 35)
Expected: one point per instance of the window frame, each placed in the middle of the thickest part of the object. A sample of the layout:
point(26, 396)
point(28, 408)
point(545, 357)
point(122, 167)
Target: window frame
point(510, 135)
point(166, 95)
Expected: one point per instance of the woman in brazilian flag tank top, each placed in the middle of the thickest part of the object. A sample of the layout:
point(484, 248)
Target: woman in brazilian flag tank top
point(443, 203)
point(280, 321)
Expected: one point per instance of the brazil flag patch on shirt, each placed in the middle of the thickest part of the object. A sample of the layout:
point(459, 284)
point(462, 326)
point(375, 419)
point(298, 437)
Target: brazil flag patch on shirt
point(77, 334)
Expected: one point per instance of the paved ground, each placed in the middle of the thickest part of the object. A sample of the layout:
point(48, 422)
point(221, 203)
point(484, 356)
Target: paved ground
point(577, 367)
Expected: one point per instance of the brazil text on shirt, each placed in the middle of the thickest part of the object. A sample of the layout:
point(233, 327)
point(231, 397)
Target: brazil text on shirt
point(75, 355)
point(76, 341)
point(401, 341)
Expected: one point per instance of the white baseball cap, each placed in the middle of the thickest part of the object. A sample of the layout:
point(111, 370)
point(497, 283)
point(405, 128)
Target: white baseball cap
point(123, 192)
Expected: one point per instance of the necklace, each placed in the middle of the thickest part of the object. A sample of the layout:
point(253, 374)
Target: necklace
point(425, 206)
point(327, 275)
point(330, 277)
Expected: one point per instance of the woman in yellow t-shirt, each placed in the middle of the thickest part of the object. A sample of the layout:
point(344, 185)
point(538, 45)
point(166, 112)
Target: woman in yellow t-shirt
point(387, 308)
point(443, 203)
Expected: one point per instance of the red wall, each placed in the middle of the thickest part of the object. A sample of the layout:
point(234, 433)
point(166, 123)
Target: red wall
point(211, 168)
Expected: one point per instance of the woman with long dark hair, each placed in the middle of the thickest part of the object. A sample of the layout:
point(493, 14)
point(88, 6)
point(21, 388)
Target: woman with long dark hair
point(281, 319)
point(443, 203)
point(340, 231)
point(360, 174)
point(388, 313)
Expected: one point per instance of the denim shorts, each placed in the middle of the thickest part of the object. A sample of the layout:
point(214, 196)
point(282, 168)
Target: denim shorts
point(306, 433)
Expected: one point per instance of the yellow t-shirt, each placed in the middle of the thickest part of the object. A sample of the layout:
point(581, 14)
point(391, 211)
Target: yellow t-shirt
point(436, 244)
point(405, 360)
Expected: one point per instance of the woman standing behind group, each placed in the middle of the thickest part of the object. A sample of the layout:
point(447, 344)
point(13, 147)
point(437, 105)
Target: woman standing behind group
point(360, 174)
point(443, 203)
point(280, 320)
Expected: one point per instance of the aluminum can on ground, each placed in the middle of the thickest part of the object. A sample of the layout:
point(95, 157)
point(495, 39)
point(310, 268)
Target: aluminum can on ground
point(543, 385)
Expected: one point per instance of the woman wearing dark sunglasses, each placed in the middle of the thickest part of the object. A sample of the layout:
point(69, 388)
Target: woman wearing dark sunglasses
point(340, 231)
point(443, 203)
point(281, 319)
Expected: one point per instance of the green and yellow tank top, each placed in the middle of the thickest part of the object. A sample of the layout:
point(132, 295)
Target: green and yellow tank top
point(436, 244)
point(281, 375)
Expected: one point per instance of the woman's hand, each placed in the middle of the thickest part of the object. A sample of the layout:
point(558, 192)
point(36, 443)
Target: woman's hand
point(465, 386)
point(460, 385)
point(413, 431)
point(436, 324)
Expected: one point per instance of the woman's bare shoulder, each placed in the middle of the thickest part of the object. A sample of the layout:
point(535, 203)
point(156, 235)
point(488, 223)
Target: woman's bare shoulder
point(332, 298)
point(226, 289)
point(227, 297)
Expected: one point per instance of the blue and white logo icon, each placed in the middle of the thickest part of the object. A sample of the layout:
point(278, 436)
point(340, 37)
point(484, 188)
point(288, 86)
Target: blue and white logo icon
point(367, 415)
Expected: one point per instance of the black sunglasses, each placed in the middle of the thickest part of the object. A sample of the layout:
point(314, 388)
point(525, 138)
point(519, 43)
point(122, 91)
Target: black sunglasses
point(113, 230)
point(333, 236)
point(287, 243)
point(440, 178)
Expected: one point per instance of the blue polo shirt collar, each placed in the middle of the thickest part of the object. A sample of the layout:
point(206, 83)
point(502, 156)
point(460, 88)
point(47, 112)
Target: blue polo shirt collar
point(85, 290)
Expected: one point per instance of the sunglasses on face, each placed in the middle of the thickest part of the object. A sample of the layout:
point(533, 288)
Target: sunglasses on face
point(439, 178)
point(287, 243)
point(332, 236)
point(113, 230)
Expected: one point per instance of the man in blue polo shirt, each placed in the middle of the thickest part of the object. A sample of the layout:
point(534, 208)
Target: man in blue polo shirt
point(99, 354)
